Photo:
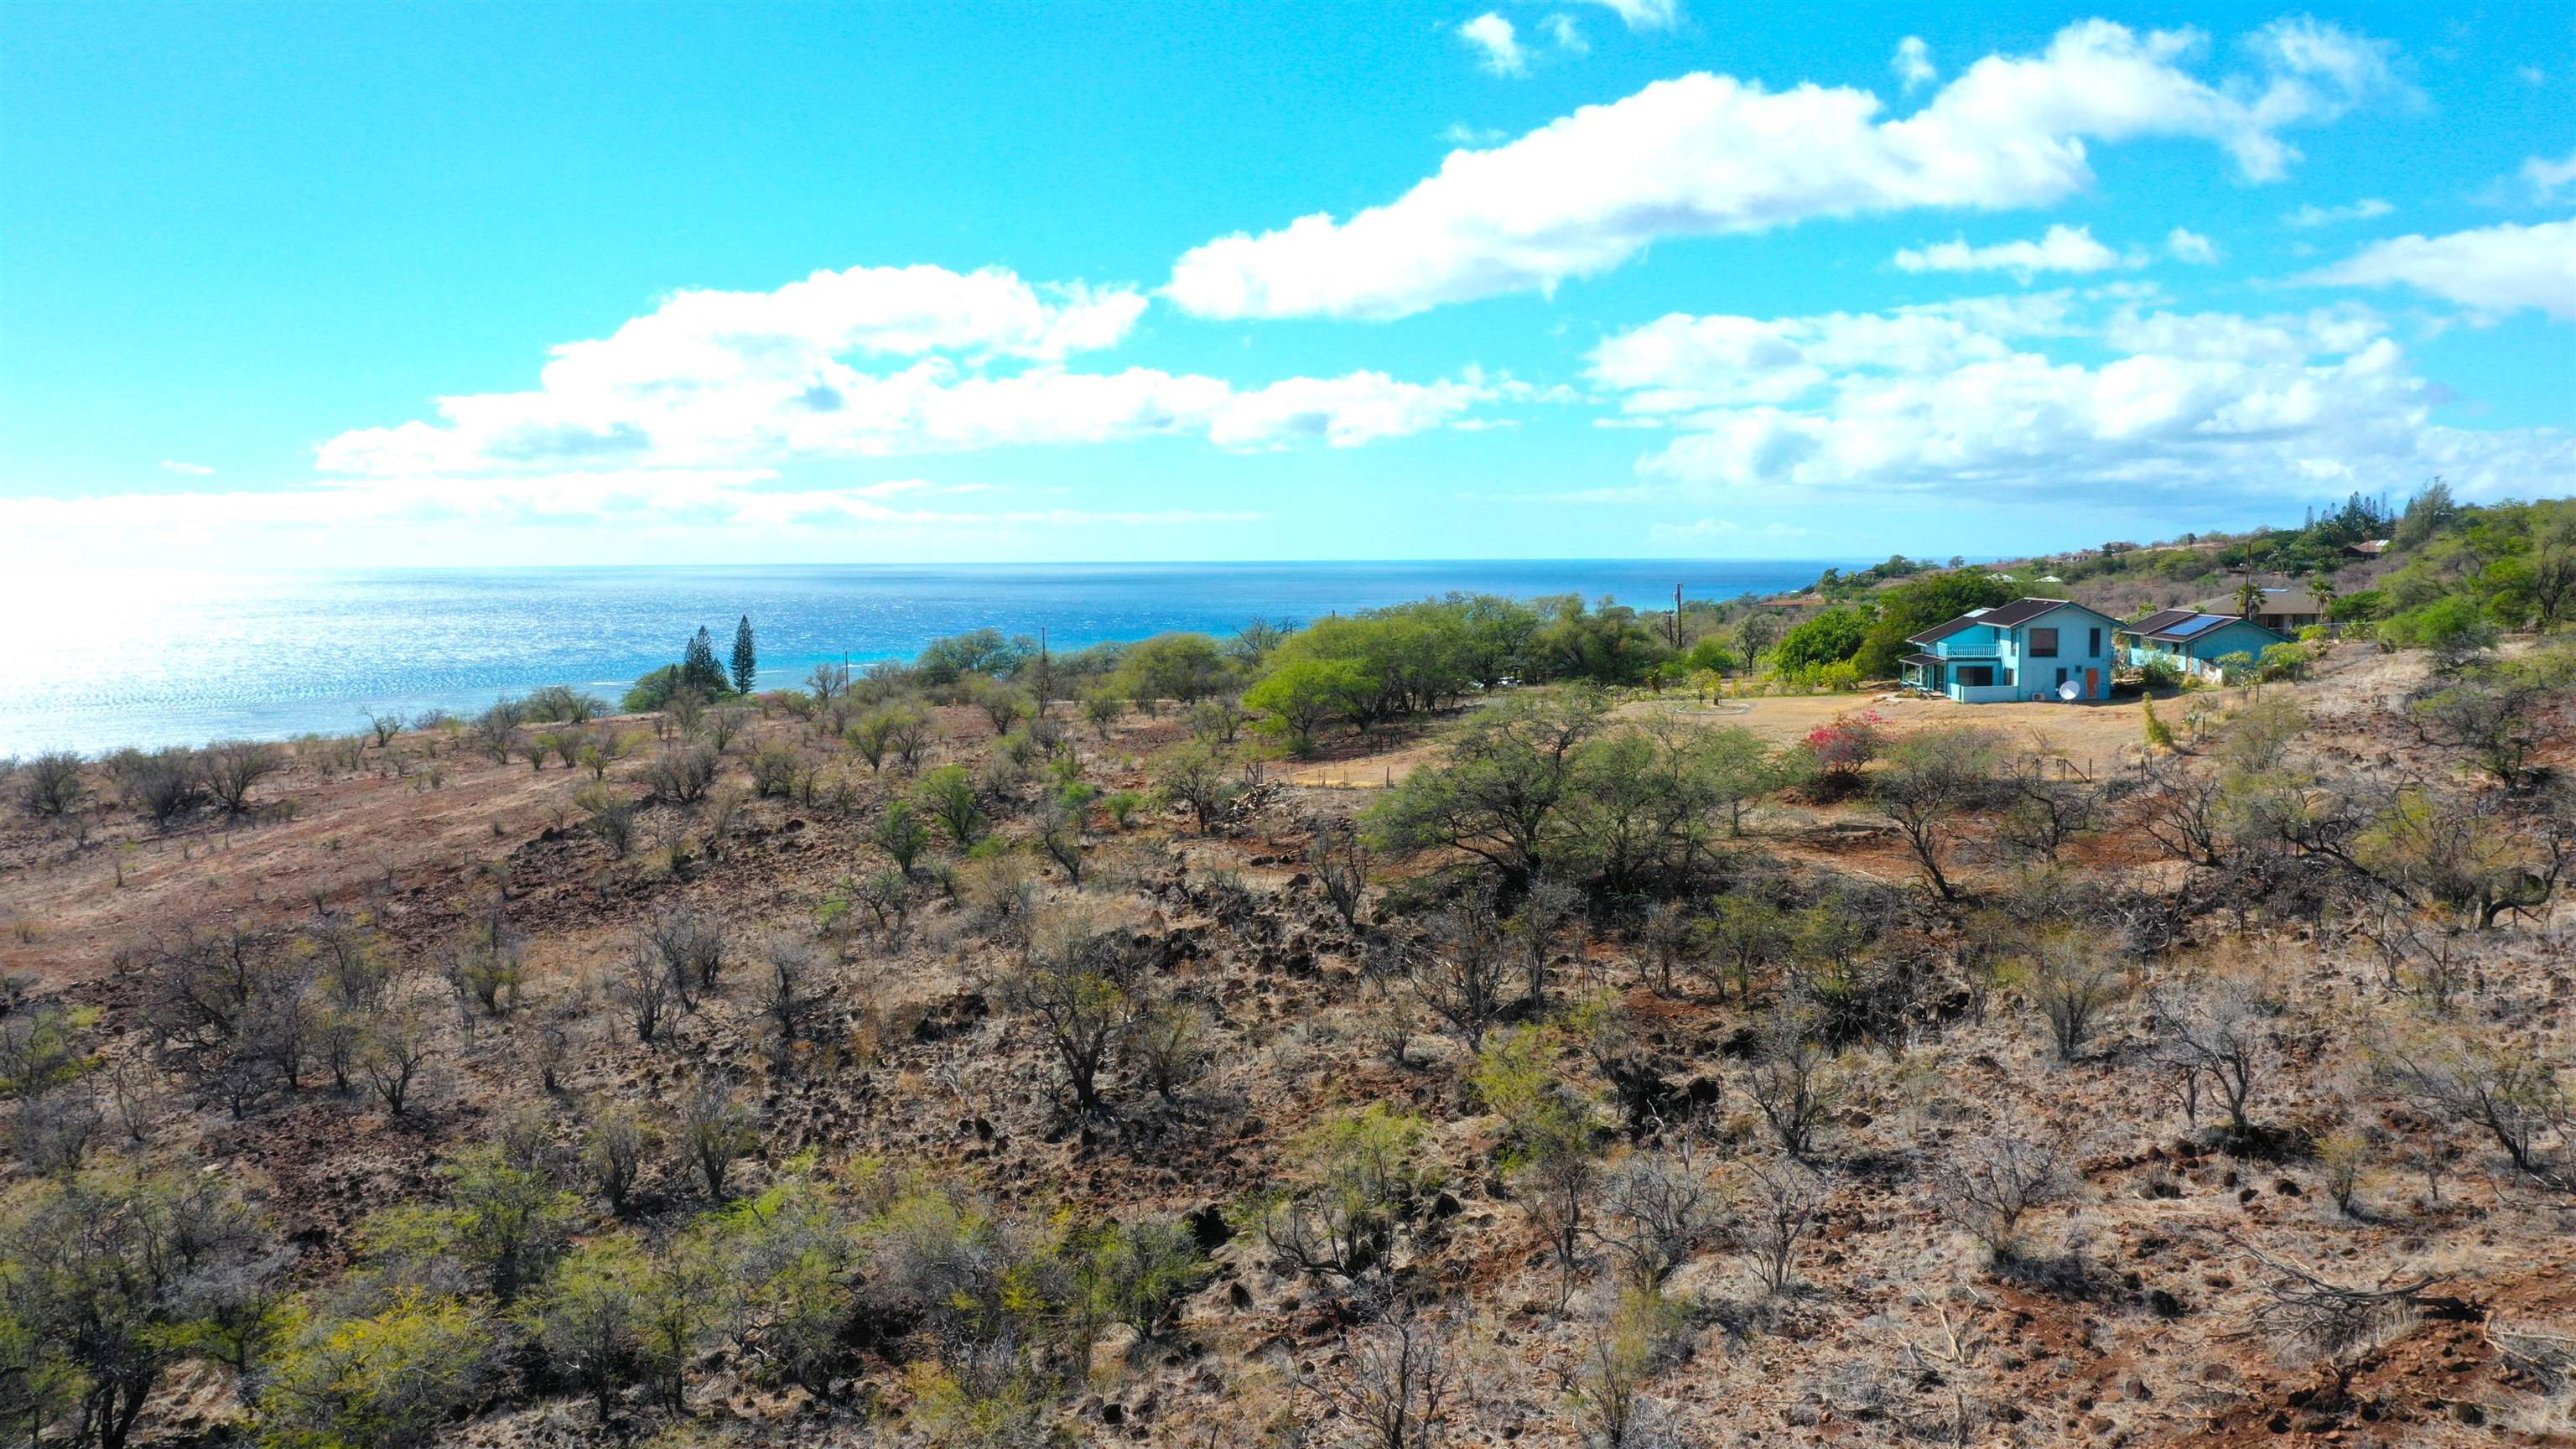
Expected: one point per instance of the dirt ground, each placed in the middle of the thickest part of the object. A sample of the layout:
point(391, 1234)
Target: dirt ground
point(2094, 737)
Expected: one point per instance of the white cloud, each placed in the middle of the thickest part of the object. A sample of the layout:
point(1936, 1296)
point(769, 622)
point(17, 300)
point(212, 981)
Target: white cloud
point(2493, 270)
point(1681, 364)
point(720, 380)
point(1492, 35)
point(631, 500)
point(1459, 133)
point(1707, 154)
point(2061, 249)
point(2547, 178)
point(2313, 215)
point(193, 470)
point(2185, 245)
point(1969, 397)
point(1913, 64)
point(1645, 14)
point(1701, 529)
point(1566, 35)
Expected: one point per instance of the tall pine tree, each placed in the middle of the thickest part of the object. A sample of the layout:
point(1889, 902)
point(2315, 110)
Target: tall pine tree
point(698, 667)
point(746, 660)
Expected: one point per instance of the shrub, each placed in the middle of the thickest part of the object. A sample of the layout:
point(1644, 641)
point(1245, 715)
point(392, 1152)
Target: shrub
point(562, 704)
point(1841, 748)
point(1137, 1274)
point(774, 769)
point(1988, 1185)
point(52, 783)
point(381, 1379)
point(2160, 736)
point(681, 774)
point(949, 795)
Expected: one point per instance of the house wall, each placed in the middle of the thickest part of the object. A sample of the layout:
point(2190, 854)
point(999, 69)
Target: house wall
point(2200, 656)
point(2031, 675)
point(2226, 639)
point(2075, 653)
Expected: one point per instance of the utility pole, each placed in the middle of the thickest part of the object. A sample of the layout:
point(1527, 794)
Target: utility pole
point(1046, 671)
point(1677, 616)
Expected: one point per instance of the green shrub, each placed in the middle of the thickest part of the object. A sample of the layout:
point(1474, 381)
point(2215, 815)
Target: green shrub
point(385, 1379)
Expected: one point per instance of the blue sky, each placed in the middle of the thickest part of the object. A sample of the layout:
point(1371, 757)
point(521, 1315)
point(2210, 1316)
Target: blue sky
point(358, 284)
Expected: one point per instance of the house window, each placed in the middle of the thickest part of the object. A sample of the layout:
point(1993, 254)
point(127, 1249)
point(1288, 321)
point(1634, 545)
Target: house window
point(2061, 676)
point(2043, 643)
point(2094, 644)
point(1976, 674)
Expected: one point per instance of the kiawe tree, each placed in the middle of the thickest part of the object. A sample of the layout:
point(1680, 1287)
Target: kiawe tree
point(746, 658)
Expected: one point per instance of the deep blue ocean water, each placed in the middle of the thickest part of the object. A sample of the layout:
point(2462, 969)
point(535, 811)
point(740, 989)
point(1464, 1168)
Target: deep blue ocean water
point(144, 659)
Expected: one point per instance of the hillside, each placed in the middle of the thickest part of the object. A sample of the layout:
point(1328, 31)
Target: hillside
point(1560, 1069)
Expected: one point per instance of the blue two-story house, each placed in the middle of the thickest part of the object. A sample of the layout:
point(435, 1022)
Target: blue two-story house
point(2027, 649)
point(2193, 642)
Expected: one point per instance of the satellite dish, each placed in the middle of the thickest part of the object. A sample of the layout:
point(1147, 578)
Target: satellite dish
point(2070, 691)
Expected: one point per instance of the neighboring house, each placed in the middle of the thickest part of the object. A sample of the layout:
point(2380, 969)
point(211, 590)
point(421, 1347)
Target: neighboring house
point(2284, 610)
point(2366, 549)
point(2022, 650)
point(2193, 642)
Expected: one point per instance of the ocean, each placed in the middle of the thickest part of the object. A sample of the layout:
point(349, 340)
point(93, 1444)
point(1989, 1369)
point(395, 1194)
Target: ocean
point(106, 660)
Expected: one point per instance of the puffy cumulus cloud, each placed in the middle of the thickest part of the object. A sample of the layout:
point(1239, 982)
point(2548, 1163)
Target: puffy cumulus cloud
point(2311, 215)
point(1681, 363)
point(943, 362)
point(2061, 249)
point(2491, 270)
point(1710, 154)
point(1497, 45)
point(1913, 64)
point(2185, 245)
point(1969, 396)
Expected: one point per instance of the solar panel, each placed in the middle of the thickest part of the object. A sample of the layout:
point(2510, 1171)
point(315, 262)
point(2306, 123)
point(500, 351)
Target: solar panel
point(2200, 625)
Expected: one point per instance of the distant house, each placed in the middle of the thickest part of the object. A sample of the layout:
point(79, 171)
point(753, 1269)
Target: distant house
point(2367, 548)
point(2193, 642)
point(2284, 609)
point(2027, 649)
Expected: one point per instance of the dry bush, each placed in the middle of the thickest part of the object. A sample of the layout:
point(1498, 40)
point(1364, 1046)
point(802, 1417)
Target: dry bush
point(1400, 1384)
point(2073, 978)
point(715, 1130)
point(692, 946)
point(1775, 1208)
point(1463, 971)
point(2215, 1038)
point(1656, 1209)
point(641, 988)
point(681, 774)
point(50, 784)
point(1791, 1078)
point(1988, 1184)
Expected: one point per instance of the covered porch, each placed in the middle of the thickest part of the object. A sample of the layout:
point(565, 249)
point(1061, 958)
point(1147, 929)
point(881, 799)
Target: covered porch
point(1969, 679)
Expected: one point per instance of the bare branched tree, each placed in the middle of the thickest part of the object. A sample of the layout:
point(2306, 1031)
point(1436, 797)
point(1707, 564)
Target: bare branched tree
point(1987, 1185)
point(1399, 1387)
point(1776, 1208)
